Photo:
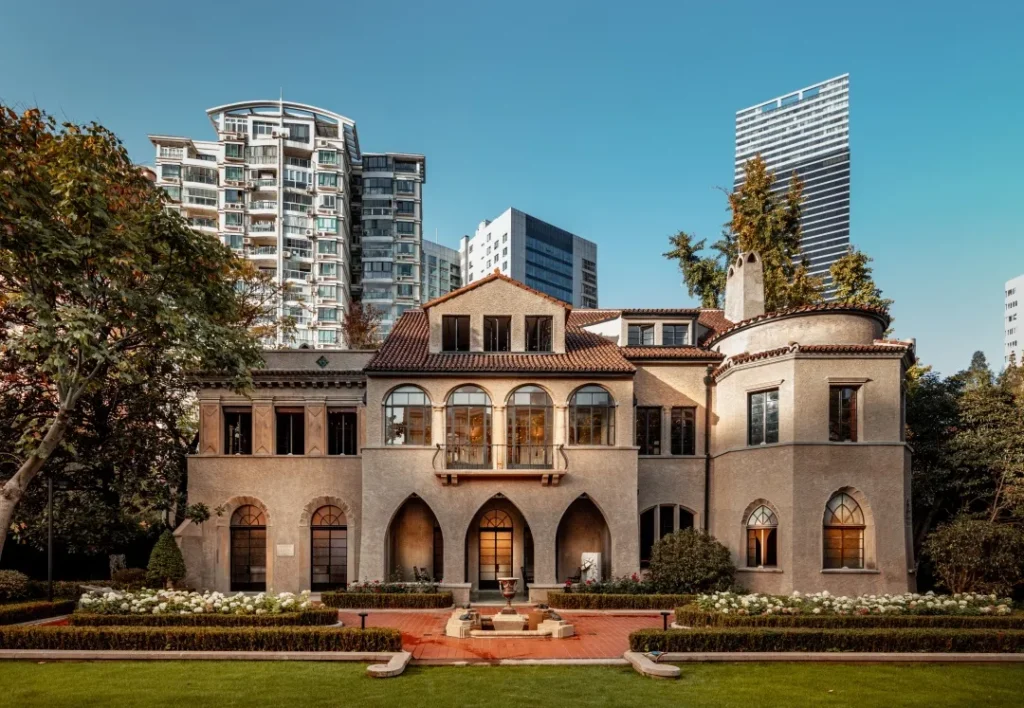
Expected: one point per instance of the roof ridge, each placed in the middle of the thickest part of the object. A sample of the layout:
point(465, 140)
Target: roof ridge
point(496, 275)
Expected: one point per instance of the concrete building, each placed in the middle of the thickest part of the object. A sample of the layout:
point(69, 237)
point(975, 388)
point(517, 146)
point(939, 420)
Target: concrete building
point(441, 271)
point(593, 432)
point(543, 256)
point(807, 132)
point(284, 184)
point(1013, 340)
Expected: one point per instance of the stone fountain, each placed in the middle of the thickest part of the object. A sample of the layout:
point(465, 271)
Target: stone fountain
point(469, 623)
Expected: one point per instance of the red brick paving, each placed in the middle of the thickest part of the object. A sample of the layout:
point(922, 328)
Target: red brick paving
point(598, 636)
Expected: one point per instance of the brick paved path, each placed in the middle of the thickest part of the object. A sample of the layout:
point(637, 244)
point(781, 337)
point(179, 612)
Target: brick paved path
point(598, 636)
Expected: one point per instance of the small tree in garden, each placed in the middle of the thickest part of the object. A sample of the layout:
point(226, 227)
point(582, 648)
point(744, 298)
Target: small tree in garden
point(166, 565)
point(977, 555)
point(691, 561)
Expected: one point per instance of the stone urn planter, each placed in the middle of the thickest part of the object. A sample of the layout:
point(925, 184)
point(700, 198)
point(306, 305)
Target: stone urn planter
point(508, 591)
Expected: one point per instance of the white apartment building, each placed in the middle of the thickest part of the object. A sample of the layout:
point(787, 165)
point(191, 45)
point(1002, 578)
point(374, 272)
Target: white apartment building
point(440, 270)
point(534, 252)
point(807, 132)
point(1013, 307)
point(283, 184)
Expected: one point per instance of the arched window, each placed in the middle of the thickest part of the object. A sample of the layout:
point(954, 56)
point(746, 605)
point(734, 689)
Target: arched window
point(468, 428)
point(529, 428)
point(248, 549)
point(592, 417)
point(329, 548)
point(407, 417)
point(844, 532)
point(762, 543)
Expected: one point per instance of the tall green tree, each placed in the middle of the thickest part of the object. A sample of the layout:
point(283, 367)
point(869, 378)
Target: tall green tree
point(763, 221)
point(98, 281)
point(851, 278)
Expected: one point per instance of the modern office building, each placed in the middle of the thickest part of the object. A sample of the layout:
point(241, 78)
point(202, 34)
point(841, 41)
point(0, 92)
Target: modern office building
point(543, 256)
point(286, 184)
point(1013, 341)
point(807, 132)
point(440, 270)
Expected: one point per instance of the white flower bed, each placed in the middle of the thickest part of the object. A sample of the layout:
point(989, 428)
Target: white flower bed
point(177, 602)
point(824, 603)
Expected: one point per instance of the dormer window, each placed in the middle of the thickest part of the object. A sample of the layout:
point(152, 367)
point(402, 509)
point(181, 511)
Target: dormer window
point(538, 334)
point(497, 334)
point(455, 333)
point(675, 335)
point(641, 335)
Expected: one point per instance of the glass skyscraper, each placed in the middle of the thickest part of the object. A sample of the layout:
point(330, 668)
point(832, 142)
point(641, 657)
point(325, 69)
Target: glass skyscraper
point(807, 132)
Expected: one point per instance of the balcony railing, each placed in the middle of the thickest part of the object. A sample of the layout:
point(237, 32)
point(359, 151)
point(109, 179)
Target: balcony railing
point(500, 458)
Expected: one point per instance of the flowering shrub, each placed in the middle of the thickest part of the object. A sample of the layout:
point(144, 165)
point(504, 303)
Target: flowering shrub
point(179, 602)
point(377, 587)
point(626, 585)
point(823, 603)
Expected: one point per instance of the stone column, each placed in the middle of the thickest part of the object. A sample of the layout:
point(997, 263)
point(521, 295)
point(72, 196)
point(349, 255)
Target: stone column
point(262, 428)
point(437, 425)
point(209, 429)
point(316, 428)
point(544, 555)
point(499, 428)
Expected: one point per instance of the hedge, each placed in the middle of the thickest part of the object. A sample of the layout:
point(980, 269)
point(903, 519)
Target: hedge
point(36, 610)
point(860, 640)
point(310, 617)
point(202, 638)
point(692, 616)
point(601, 601)
point(387, 600)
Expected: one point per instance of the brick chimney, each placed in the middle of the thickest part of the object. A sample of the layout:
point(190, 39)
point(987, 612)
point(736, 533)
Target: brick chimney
point(744, 288)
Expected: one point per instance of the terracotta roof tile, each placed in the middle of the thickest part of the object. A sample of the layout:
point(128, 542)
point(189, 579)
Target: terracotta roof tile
point(639, 353)
point(585, 318)
point(879, 347)
point(407, 349)
point(662, 312)
point(496, 275)
point(796, 311)
point(715, 321)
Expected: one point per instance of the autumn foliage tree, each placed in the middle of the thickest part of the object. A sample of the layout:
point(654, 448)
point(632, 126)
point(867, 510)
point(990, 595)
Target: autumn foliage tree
point(100, 284)
point(761, 220)
point(361, 326)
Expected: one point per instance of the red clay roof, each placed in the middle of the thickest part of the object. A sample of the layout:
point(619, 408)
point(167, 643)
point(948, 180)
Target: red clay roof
point(640, 353)
point(585, 318)
point(496, 275)
point(797, 311)
point(879, 347)
point(407, 349)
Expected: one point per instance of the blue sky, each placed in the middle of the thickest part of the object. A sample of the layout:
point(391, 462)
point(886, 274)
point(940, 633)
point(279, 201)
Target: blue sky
point(611, 120)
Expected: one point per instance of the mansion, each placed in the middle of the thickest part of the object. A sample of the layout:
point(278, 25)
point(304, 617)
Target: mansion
point(500, 432)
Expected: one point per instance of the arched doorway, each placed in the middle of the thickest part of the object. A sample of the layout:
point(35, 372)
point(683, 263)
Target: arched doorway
point(328, 543)
point(582, 532)
point(248, 549)
point(414, 543)
point(498, 544)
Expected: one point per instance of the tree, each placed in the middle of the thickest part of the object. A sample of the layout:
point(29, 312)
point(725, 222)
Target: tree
point(761, 221)
point(100, 283)
point(166, 564)
point(361, 326)
point(977, 555)
point(851, 278)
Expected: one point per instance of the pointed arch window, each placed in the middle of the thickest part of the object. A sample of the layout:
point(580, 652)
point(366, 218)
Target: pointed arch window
point(843, 533)
point(762, 538)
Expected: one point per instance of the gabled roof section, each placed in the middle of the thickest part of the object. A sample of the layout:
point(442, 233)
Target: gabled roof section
point(407, 350)
point(496, 275)
point(879, 312)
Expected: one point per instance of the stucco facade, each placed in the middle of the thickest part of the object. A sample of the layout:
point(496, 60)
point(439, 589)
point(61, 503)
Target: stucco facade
point(533, 477)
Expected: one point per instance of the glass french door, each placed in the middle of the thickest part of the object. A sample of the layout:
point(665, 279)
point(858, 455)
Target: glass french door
point(330, 557)
point(249, 558)
point(495, 549)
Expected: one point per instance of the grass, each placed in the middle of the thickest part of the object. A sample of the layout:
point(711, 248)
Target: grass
point(248, 684)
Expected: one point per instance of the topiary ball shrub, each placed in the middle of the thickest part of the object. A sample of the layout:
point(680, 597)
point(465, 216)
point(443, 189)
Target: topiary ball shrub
point(689, 562)
point(166, 565)
point(13, 586)
point(978, 556)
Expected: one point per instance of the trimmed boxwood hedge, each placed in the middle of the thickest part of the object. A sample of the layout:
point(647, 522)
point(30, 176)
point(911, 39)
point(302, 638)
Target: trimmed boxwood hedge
point(692, 616)
point(36, 610)
point(202, 638)
point(602, 601)
point(387, 600)
point(310, 617)
point(801, 639)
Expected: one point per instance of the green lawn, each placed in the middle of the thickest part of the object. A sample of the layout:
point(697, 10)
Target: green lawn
point(310, 685)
